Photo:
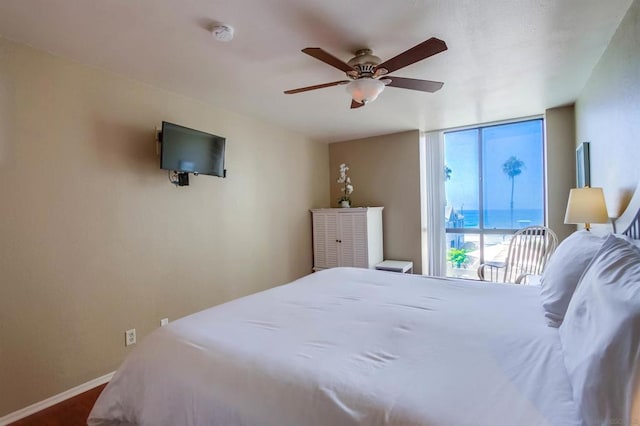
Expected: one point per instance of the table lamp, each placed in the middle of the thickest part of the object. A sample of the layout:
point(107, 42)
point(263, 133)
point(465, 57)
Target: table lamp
point(586, 205)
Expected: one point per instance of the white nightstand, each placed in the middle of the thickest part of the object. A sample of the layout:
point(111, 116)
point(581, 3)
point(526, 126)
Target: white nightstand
point(402, 266)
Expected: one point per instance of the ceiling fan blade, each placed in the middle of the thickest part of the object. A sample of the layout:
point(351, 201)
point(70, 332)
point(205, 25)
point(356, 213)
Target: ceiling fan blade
point(317, 86)
point(413, 84)
point(415, 54)
point(355, 104)
point(327, 58)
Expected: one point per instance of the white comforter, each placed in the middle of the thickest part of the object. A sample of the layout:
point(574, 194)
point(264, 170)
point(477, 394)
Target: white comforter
point(350, 347)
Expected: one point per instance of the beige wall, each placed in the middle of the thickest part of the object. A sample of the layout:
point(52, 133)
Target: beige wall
point(560, 153)
point(94, 239)
point(385, 171)
point(608, 115)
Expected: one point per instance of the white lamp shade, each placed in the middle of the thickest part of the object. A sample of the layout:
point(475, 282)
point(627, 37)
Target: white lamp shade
point(365, 89)
point(586, 205)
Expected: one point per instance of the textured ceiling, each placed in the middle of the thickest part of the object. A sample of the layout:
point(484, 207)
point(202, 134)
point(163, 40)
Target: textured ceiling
point(506, 59)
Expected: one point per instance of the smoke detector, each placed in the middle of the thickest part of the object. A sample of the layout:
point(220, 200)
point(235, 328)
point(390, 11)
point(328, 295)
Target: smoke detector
point(222, 32)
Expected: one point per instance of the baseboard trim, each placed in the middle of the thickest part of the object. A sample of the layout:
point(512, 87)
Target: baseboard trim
point(56, 399)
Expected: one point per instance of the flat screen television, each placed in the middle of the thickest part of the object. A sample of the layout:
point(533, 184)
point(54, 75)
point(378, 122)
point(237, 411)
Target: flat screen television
point(187, 150)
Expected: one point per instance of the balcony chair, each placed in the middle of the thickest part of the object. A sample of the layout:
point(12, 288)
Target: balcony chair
point(529, 251)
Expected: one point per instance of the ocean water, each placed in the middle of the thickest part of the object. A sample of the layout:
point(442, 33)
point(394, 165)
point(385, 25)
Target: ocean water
point(501, 219)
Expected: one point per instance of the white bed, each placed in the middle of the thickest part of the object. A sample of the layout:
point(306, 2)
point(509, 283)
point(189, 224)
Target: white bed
point(362, 347)
point(351, 347)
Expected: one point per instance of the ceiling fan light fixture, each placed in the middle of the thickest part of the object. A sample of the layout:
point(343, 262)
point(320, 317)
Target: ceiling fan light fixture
point(365, 90)
point(365, 71)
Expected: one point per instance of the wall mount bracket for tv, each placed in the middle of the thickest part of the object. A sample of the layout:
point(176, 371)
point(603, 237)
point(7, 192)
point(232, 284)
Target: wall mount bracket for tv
point(179, 178)
point(182, 178)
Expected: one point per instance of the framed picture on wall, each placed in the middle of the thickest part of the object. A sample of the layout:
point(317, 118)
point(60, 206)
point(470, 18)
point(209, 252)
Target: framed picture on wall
point(583, 177)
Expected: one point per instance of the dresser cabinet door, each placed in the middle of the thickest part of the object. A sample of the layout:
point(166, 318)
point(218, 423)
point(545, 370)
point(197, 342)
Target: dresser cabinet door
point(352, 237)
point(325, 240)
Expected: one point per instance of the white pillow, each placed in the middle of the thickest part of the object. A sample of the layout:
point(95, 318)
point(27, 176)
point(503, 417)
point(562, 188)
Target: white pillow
point(600, 335)
point(562, 274)
point(632, 241)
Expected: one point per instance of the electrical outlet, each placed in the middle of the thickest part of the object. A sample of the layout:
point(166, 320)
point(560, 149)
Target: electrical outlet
point(164, 321)
point(130, 337)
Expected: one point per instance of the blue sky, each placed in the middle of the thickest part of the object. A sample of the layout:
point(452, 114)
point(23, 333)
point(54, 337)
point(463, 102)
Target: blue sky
point(522, 140)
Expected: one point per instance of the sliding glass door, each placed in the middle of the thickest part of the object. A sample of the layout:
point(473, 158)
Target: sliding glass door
point(494, 181)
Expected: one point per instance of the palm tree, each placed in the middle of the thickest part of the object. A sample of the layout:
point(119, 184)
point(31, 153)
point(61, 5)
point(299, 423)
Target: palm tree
point(512, 168)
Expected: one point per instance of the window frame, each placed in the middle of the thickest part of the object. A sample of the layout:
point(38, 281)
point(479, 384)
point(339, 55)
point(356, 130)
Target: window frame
point(480, 230)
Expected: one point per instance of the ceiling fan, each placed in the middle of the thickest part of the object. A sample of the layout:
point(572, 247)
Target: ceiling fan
point(367, 76)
